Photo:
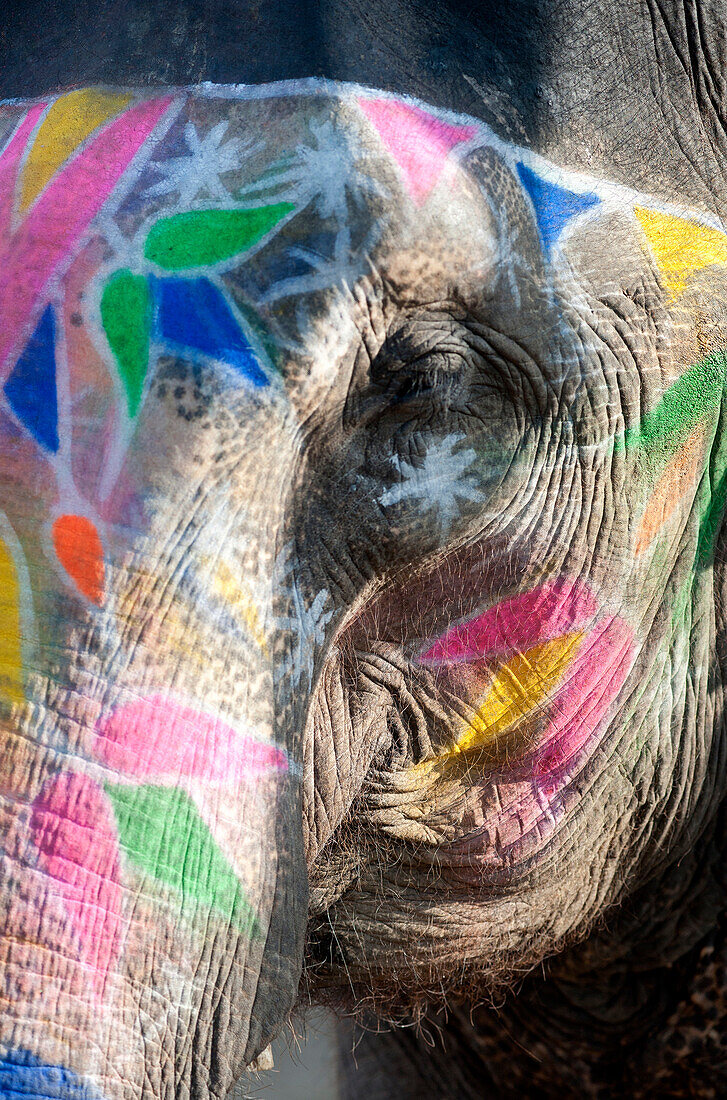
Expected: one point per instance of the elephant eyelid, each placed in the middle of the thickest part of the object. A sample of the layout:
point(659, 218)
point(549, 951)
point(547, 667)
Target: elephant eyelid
point(435, 372)
point(394, 361)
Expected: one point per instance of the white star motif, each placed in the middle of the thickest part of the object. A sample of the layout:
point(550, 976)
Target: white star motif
point(323, 173)
point(199, 171)
point(437, 483)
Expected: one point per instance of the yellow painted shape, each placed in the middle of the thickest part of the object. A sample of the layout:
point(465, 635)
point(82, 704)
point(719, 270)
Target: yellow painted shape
point(11, 661)
point(238, 599)
point(521, 684)
point(681, 248)
point(68, 121)
point(681, 472)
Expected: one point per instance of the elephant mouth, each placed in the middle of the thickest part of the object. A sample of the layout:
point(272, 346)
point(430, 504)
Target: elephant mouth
point(496, 721)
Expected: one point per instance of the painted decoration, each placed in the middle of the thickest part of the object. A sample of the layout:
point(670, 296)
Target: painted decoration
point(168, 253)
point(24, 1075)
point(204, 237)
point(11, 649)
point(418, 141)
point(158, 738)
point(194, 317)
point(126, 318)
point(555, 206)
point(80, 552)
point(161, 833)
point(681, 248)
point(521, 622)
point(31, 388)
point(66, 124)
point(43, 241)
point(544, 655)
point(75, 835)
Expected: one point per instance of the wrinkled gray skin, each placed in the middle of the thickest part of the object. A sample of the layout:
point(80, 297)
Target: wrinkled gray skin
point(616, 902)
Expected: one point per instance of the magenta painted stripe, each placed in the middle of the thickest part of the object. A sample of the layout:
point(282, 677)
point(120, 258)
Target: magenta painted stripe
point(74, 831)
point(9, 162)
point(62, 213)
point(516, 624)
point(159, 739)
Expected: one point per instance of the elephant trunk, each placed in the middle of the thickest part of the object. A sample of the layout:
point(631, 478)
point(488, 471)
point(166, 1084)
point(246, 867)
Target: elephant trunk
point(152, 854)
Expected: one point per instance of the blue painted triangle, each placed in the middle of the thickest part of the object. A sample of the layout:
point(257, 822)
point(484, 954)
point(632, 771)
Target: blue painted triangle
point(31, 388)
point(554, 206)
point(193, 315)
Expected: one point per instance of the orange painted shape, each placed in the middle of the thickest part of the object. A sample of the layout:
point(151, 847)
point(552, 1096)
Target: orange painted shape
point(673, 483)
point(79, 550)
point(68, 122)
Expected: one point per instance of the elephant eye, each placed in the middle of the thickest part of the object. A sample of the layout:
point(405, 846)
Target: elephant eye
point(434, 375)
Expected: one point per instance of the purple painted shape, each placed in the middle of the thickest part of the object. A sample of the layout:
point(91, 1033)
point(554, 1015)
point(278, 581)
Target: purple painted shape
point(43, 241)
point(73, 827)
point(159, 739)
point(10, 161)
point(516, 624)
point(418, 141)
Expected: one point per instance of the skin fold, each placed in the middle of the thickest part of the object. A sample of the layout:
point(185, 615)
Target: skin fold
point(361, 511)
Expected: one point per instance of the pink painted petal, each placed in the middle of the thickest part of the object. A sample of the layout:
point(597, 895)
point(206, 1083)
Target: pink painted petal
point(516, 624)
point(73, 828)
point(595, 679)
point(156, 738)
point(418, 141)
point(44, 241)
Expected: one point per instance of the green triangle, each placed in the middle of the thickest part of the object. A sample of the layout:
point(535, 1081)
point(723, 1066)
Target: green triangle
point(161, 832)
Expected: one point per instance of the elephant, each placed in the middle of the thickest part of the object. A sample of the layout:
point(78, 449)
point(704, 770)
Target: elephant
point(362, 572)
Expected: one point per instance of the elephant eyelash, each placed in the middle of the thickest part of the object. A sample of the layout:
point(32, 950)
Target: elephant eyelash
point(403, 383)
point(408, 385)
point(413, 385)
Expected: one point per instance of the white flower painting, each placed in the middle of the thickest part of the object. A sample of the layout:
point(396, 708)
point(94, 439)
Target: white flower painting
point(306, 622)
point(197, 174)
point(438, 484)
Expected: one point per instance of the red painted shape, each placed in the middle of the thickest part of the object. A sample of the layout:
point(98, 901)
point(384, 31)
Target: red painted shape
point(73, 828)
point(598, 673)
point(516, 624)
point(418, 141)
point(80, 552)
point(157, 738)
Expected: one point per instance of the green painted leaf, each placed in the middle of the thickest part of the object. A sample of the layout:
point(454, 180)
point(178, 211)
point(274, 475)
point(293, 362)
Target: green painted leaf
point(691, 397)
point(126, 318)
point(201, 237)
point(160, 831)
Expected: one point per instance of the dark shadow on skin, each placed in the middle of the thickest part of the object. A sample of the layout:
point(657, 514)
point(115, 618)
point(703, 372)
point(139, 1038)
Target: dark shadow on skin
point(602, 81)
point(406, 46)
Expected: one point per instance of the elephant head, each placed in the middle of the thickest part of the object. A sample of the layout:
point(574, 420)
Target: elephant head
point(362, 483)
